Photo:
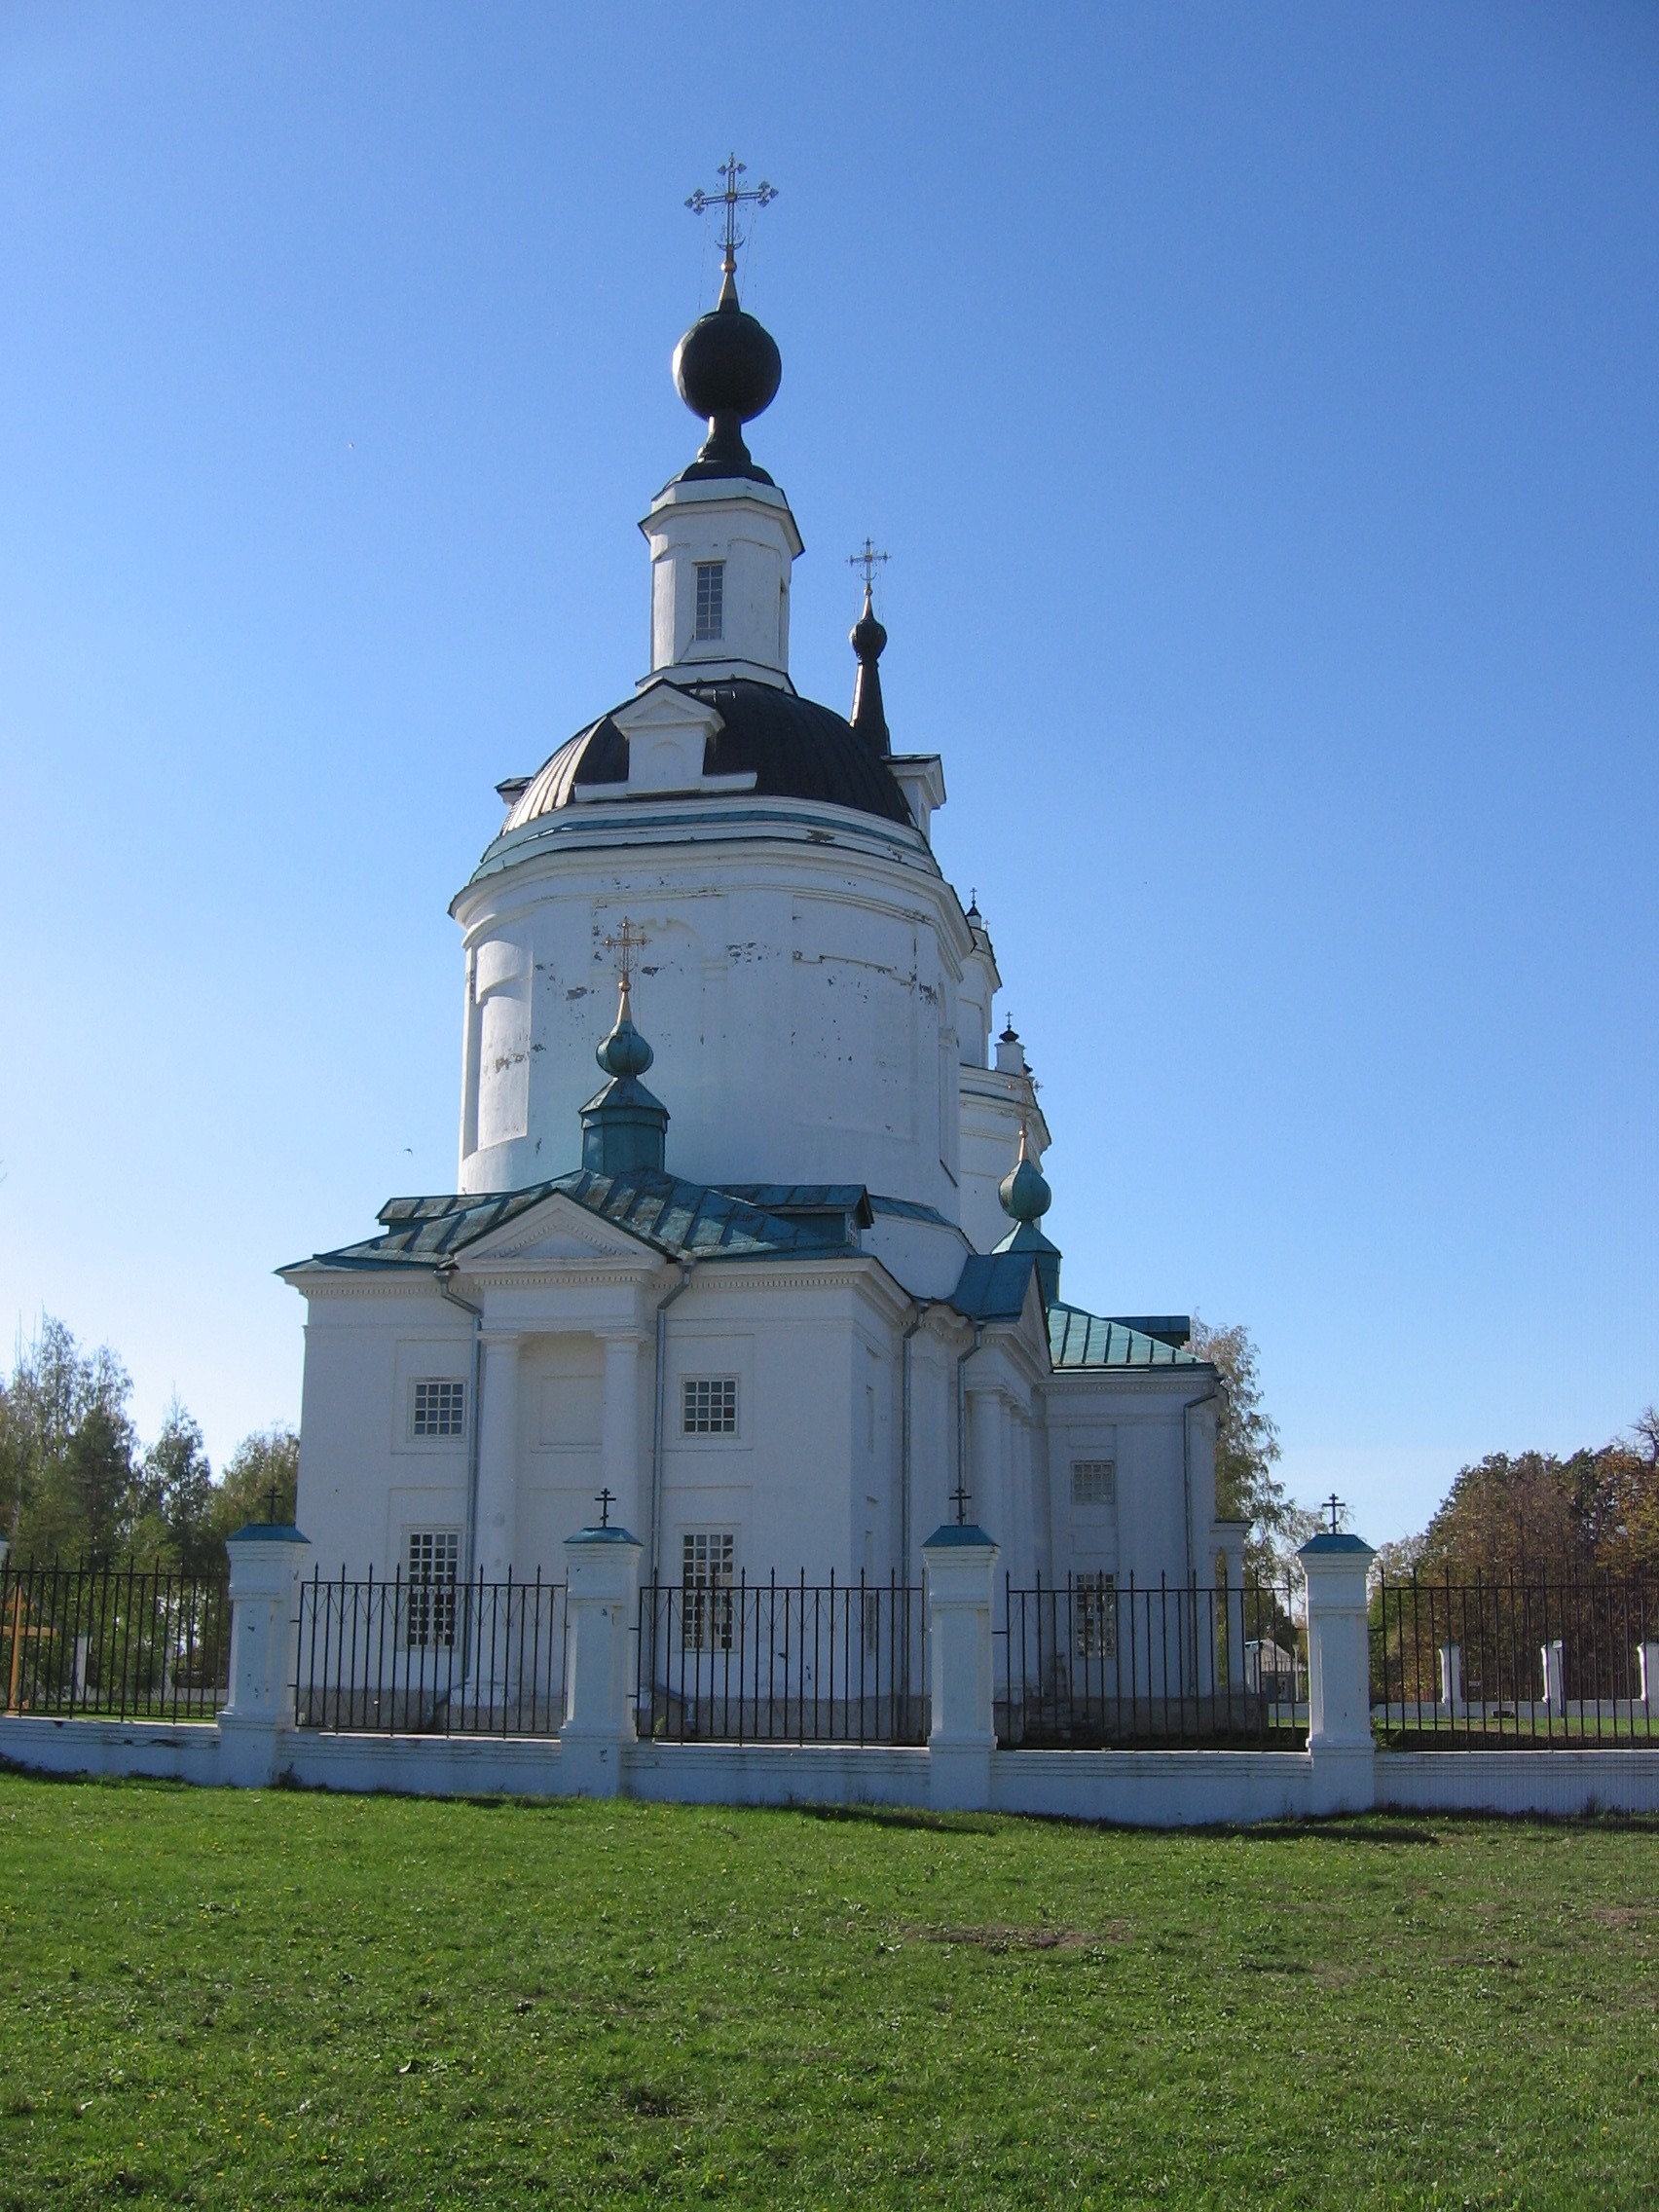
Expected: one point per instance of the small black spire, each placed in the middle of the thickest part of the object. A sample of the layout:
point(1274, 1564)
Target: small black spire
point(867, 637)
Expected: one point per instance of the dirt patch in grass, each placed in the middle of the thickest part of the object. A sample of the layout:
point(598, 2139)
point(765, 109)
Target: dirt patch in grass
point(1001, 1935)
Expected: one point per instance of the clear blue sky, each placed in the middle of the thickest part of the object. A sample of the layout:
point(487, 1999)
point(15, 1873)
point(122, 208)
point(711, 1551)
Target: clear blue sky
point(1260, 405)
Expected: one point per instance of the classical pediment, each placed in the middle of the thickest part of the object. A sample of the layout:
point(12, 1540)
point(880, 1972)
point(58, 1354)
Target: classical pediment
point(557, 1232)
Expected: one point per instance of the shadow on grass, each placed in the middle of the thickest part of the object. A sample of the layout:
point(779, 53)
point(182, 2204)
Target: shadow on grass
point(892, 1817)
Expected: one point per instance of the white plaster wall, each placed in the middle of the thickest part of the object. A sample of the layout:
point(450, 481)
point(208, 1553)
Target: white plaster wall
point(362, 1477)
point(1167, 1789)
point(1136, 1420)
point(800, 1000)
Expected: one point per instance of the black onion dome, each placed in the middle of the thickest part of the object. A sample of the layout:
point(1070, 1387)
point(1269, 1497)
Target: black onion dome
point(793, 746)
point(727, 368)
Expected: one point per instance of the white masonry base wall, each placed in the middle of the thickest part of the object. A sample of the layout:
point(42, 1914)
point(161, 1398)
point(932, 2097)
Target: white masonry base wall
point(1162, 1790)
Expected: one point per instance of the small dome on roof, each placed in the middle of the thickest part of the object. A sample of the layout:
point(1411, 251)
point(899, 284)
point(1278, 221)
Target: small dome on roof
point(1024, 1191)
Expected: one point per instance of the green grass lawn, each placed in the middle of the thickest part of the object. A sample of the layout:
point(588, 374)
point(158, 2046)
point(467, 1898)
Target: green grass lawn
point(218, 1997)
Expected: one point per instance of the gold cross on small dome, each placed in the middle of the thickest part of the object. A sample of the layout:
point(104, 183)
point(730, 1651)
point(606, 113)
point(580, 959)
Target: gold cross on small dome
point(761, 196)
point(870, 560)
point(627, 941)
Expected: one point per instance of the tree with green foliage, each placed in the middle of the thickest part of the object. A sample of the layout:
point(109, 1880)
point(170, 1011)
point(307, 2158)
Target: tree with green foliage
point(180, 1496)
point(67, 1450)
point(75, 1485)
point(1246, 1452)
point(261, 1481)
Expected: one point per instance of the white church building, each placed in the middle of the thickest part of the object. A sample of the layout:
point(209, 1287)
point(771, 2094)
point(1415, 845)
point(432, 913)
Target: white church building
point(791, 1307)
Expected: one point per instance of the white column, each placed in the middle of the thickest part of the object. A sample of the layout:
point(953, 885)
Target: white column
point(985, 1499)
point(619, 1448)
point(961, 1579)
point(497, 1461)
point(601, 1569)
point(1648, 1655)
point(266, 1566)
point(1451, 1678)
point(1550, 1655)
point(1340, 1741)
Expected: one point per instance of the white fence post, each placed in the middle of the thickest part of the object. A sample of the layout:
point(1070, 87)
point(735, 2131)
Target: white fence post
point(1339, 1742)
point(268, 1560)
point(1550, 1656)
point(1451, 1678)
point(1647, 1657)
point(602, 1576)
point(961, 1568)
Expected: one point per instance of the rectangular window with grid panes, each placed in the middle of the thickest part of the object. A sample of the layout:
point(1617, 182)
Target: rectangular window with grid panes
point(708, 1559)
point(1094, 1482)
point(711, 600)
point(434, 1563)
point(440, 1408)
point(1094, 1616)
point(708, 1405)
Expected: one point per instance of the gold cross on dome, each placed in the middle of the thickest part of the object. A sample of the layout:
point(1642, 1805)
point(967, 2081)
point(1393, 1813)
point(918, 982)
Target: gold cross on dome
point(760, 196)
point(625, 944)
point(870, 560)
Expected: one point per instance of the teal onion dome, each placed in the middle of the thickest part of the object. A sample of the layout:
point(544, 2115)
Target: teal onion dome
point(1024, 1191)
point(624, 1053)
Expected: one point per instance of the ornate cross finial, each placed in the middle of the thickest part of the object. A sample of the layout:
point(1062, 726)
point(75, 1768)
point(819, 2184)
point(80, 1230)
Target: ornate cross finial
point(1334, 1507)
point(626, 942)
point(605, 1500)
point(870, 560)
point(959, 1497)
point(761, 195)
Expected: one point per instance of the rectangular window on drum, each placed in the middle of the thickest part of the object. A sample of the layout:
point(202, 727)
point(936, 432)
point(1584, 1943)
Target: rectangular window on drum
point(434, 1562)
point(1094, 1482)
point(1094, 1616)
point(440, 1410)
point(711, 600)
point(707, 1567)
point(709, 1405)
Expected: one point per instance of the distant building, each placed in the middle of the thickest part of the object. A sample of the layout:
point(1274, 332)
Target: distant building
point(792, 1306)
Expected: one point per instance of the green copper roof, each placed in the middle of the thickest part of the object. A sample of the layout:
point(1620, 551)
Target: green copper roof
point(681, 1219)
point(1076, 1339)
point(992, 1285)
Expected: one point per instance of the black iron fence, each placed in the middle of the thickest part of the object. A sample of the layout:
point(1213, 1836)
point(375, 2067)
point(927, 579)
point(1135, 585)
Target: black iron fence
point(1091, 1663)
point(782, 1662)
point(114, 1642)
point(431, 1656)
point(1495, 1664)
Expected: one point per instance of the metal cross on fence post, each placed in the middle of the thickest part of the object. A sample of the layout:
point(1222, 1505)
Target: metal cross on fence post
point(1334, 1507)
point(959, 1497)
point(605, 1500)
point(731, 199)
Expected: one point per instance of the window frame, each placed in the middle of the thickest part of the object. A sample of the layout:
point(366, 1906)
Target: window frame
point(708, 609)
point(437, 1434)
point(706, 1613)
point(1105, 1500)
point(1094, 1615)
point(431, 1586)
point(695, 1429)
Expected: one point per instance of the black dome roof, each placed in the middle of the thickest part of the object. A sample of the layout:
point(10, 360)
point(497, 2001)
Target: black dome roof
point(794, 749)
